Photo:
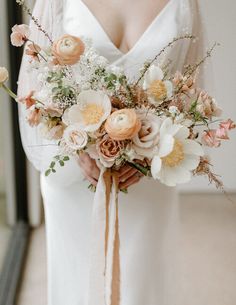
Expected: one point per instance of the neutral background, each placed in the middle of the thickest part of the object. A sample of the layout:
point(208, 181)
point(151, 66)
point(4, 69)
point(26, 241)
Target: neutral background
point(220, 22)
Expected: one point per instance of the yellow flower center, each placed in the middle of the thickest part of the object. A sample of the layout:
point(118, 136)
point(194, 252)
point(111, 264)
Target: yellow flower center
point(92, 114)
point(158, 90)
point(176, 156)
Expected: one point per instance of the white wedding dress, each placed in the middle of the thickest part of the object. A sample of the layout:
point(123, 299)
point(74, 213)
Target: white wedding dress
point(149, 225)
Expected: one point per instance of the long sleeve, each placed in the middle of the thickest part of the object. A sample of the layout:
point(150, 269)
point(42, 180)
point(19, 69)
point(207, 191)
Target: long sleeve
point(39, 151)
point(49, 16)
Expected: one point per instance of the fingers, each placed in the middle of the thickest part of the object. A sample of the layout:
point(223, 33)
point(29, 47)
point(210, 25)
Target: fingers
point(131, 181)
point(124, 169)
point(128, 174)
point(89, 168)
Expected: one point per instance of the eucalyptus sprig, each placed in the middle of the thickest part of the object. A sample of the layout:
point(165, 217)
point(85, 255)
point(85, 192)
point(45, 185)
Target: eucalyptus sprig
point(60, 160)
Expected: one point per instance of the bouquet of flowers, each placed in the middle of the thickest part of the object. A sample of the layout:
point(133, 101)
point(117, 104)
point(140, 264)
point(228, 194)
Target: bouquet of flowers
point(90, 106)
point(159, 123)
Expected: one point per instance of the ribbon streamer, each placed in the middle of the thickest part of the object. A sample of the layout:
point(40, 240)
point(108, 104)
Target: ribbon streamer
point(104, 275)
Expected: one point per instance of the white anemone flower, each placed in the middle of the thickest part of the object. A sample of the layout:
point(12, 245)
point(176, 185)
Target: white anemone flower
point(177, 157)
point(92, 110)
point(157, 89)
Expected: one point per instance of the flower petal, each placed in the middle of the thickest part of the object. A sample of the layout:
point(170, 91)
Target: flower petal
point(190, 162)
point(176, 175)
point(182, 133)
point(156, 167)
point(169, 87)
point(153, 73)
point(166, 145)
point(168, 127)
point(192, 147)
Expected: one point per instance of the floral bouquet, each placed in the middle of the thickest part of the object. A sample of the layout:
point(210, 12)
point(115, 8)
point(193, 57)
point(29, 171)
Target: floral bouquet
point(159, 124)
point(90, 106)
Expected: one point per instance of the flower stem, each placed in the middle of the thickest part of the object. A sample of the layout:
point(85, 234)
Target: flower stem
point(145, 171)
point(8, 90)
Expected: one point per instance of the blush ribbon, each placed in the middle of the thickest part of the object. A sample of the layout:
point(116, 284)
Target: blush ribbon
point(104, 273)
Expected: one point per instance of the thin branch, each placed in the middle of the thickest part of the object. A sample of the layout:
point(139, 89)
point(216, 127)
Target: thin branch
point(170, 44)
point(35, 20)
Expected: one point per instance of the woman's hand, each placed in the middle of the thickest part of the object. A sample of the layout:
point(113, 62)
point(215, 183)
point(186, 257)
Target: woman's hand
point(89, 168)
point(128, 176)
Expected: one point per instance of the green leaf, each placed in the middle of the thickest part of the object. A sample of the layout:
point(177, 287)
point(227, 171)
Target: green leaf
point(66, 158)
point(193, 106)
point(48, 172)
point(52, 165)
point(61, 163)
point(53, 170)
point(145, 171)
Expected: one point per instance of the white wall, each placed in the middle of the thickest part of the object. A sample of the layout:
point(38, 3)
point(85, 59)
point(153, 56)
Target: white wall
point(220, 21)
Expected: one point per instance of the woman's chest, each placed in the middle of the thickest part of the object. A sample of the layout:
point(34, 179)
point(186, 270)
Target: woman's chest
point(172, 21)
point(125, 21)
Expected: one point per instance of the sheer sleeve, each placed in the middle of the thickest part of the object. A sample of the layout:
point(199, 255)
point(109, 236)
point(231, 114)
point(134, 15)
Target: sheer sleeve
point(198, 48)
point(39, 151)
point(49, 16)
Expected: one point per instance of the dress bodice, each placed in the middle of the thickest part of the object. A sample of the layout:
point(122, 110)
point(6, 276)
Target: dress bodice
point(173, 21)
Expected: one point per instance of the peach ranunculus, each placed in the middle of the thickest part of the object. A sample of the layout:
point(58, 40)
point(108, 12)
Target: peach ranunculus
point(20, 34)
point(34, 117)
point(28, 100)
point(68, 49)
point(109, 150)
point(209, 138)
point(122, 124)
point(207, 106)
point(146, 140)
point(4, 75)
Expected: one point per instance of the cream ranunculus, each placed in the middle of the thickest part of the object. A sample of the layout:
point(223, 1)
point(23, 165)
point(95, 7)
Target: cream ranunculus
point(177, 157)
point(4, 75)
point(123, 124)
point(145, 142)
point(68, 49)
point(157, 89)
point(92, 110)
point(75, 138)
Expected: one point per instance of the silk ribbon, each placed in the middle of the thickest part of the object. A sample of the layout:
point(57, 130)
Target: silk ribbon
point(104, 274)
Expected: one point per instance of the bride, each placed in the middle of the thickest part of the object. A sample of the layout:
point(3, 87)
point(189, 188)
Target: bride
point(127, 33)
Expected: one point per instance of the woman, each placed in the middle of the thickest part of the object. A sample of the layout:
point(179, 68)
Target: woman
point(128, 33)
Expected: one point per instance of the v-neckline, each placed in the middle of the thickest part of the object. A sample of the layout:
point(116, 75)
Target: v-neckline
point(142, 36)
